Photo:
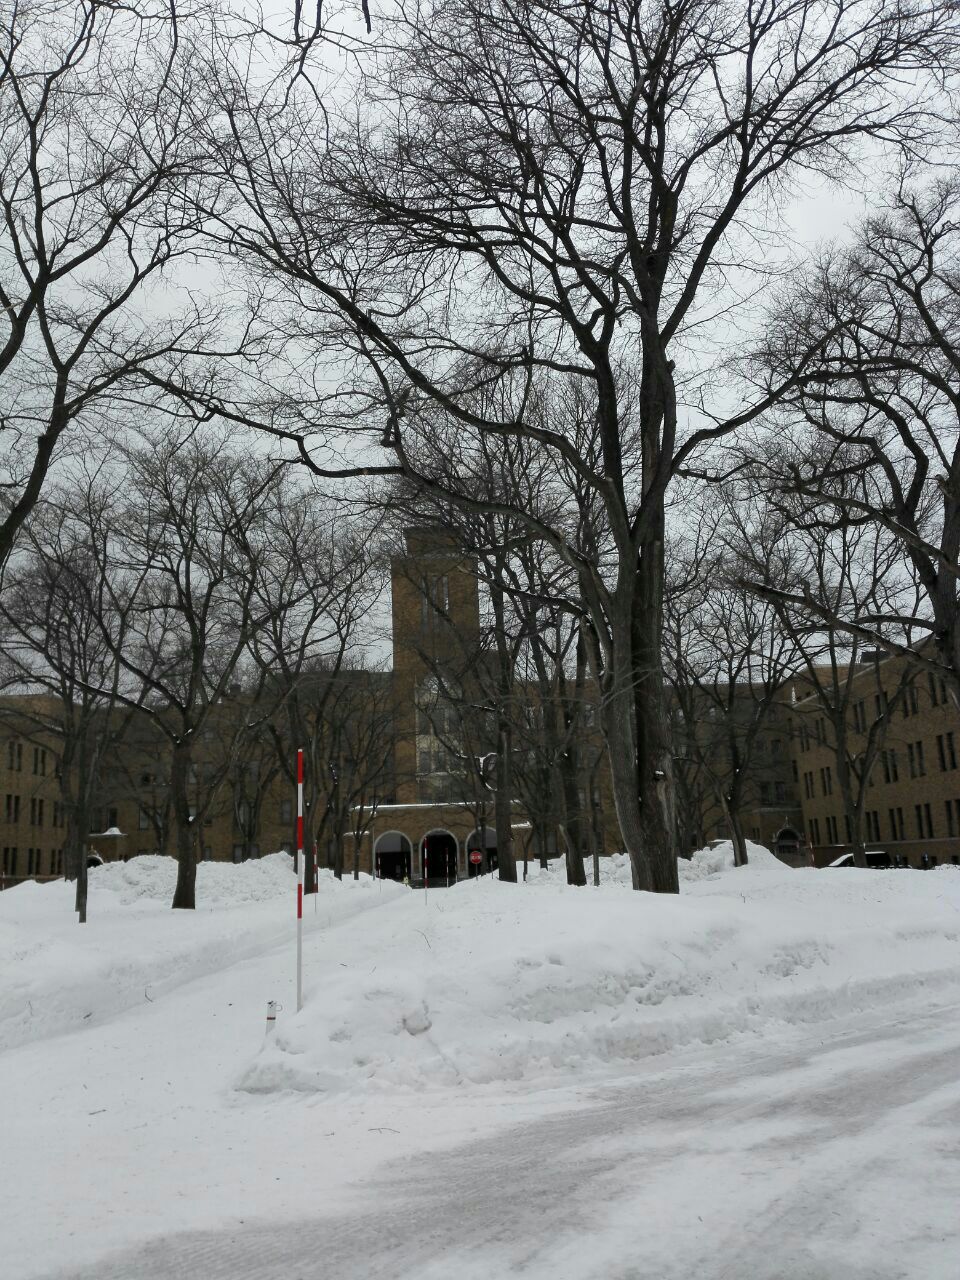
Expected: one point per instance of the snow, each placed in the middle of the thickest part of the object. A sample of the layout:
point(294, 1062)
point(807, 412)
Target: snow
point(475, 1031)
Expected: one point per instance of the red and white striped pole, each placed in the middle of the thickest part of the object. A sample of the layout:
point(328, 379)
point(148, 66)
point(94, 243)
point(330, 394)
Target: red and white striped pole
point(426, 872)
point(299, 881)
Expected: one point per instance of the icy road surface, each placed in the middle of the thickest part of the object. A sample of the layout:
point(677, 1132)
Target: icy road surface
point(831, 1152)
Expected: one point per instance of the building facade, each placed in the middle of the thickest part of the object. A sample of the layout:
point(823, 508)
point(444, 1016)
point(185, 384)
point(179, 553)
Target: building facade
point(903, 747)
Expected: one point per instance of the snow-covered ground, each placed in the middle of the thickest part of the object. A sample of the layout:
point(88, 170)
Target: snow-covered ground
point(493, 1080)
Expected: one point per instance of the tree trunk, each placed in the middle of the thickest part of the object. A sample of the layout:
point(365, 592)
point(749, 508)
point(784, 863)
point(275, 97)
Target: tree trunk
point(185, 894)
point(572, 826)
point(503, 804)
point(738, 839)
point(619, 719)
point(658, 838)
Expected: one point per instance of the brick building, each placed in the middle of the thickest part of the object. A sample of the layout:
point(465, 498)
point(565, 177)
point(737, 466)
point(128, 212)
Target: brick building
point(32, 818)
point(905, 732)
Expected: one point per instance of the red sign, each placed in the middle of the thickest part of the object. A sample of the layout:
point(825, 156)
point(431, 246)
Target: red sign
point(476, 857)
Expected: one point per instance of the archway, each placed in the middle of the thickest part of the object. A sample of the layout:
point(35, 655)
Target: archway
point(487, 845)
point(786, 843)
point(438, 859)
point(392, 855)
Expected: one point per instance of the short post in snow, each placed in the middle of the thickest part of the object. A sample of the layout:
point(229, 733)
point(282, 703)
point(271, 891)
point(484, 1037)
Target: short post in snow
point(299, 881)
point(271, 1016)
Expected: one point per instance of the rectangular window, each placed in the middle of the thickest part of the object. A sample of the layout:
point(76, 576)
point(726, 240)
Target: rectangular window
point(10, 860)
point(36, 811)
point(12, 808)
point(434, 599)
point(891, 770)
point(859, 717)
point(924, 820)
point(951, 820)
point(815, 828)
point(915, 759)
point(826, 781)
point(780, 792)
point(143, 819)
point(832, 835)
point(15, 756)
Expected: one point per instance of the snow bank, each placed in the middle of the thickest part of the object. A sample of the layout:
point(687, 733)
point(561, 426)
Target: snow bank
point(491, 982)
point(615, 869)
point(58, 975)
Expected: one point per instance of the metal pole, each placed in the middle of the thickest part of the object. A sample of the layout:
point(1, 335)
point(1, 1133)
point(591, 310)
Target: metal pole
point(299, 881)
point(426, 872)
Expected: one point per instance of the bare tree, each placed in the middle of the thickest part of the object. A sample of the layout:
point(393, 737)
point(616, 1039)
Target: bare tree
point(730, 663)
point(54, 646)
point(871, 337)
point(178, 558)
point(853, 569)
point(539, 189)
point(100, 172)
point(319, 576)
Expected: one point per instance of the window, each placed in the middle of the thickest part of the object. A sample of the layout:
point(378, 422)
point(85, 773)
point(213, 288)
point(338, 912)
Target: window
point(911, 702)
point(780, 792)
point(915, 759)
point(14, 756)
point(890, 768)
point(938, 690)
point(12, 808)
point(946, 751)
point(859, 717)
point(952, 808)
point(924, 819)
point(56, 862)
point(832, 835)
point(36, 811)
point(33, 861)
point(434, 599)
point(896, 823)
point(764, 793)
point(808, 785)
point(10, 860)
point(881, 704)
point(826, 781)
point(815, 829)
point(873, 824)
point(39, 761)
point(59, 814)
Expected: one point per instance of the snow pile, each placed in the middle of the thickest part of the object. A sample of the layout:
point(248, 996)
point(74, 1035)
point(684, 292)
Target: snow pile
point(713, 861)
point(219, 884)
point(615, 869)
point(58, 975)
point(490, 982)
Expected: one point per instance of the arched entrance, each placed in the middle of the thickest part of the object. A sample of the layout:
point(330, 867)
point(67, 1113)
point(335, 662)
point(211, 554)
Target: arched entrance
point(392, 855)
point(438, 859)
point(487, 845)
point(786, 844)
